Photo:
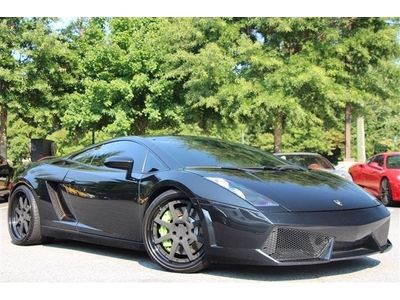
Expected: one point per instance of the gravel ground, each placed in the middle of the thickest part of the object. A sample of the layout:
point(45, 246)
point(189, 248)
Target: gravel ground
point(65, 261)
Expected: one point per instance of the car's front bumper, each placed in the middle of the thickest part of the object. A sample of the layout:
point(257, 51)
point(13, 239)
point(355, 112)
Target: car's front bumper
point(287, 238)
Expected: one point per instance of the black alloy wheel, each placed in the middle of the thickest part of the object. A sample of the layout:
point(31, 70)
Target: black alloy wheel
point(386, 192)
point(173, 234)
point(23, 217)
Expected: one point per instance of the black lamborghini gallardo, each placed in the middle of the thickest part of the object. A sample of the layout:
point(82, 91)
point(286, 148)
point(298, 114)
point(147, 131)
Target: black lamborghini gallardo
point(191, 201)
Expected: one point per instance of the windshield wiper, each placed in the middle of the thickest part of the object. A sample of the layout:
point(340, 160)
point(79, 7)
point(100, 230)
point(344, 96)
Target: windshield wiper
point(215, 167)
point(278, 168)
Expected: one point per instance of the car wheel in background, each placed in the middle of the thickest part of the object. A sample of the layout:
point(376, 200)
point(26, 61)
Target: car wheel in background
point(386, 192)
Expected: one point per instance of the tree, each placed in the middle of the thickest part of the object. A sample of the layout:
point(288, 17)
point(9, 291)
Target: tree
point(39, 76)
point(363, 44)
point(10, 81)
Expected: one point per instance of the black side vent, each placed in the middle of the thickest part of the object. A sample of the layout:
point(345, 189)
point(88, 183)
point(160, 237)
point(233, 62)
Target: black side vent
point(61, 209)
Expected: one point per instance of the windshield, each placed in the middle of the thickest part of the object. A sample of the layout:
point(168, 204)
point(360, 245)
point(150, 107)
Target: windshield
point(198, 151)
point(309, 161)
point(393, 162)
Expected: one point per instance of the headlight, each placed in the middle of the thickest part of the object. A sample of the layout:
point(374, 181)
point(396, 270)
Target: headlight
point(243, 192)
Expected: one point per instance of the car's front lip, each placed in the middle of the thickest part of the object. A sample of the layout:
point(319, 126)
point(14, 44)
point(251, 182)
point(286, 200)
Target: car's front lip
point(240, 236)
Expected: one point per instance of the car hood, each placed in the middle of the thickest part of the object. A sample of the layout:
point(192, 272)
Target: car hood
point(299, 191)
point(342, 173)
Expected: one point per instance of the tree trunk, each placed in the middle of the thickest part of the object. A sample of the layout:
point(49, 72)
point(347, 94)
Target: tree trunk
point(347, 120)
point(3, 132)
point(278, 131)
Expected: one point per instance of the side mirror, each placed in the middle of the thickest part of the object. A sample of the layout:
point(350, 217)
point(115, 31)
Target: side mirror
point(121, 163)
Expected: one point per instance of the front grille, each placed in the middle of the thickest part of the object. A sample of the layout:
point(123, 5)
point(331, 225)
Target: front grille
point(287, 244)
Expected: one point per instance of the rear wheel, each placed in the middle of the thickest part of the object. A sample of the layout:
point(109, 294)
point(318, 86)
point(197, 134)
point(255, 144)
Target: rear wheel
point(23, 217)
point(173, 235)
point(386, 192)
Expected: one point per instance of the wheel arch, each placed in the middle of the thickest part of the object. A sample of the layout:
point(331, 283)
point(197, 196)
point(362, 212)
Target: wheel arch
point(20, 183)
point(164, 186)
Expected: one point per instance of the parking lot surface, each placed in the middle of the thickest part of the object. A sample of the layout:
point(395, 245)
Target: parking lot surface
point(66, 261)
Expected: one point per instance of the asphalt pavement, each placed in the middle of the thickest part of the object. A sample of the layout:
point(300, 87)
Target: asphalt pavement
point(67, 261)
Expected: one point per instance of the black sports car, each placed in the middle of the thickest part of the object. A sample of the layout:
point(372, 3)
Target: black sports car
point(191, 201)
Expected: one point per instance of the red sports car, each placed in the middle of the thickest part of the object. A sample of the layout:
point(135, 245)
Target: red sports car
point(380, 175)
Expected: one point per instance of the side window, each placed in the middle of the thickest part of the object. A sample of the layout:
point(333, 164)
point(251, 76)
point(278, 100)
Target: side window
point(153, 164)
point(120, 148)
point(84, 157)
point(379, 160)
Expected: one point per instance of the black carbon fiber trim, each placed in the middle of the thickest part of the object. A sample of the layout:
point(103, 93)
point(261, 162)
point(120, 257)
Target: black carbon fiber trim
point(289, 244)
point(60, 208)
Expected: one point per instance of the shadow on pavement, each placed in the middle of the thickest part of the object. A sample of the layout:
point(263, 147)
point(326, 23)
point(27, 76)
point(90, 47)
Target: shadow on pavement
point(261, 273)
point(273, 273)
point(140, 257)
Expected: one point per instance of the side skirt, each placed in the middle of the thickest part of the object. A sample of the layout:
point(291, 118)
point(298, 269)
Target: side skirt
point(91, 238)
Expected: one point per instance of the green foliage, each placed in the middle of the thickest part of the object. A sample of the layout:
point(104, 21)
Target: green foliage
point(223, 77)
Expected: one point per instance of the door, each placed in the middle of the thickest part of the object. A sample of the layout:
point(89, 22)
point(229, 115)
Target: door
point(102, 199)
point(373, 174)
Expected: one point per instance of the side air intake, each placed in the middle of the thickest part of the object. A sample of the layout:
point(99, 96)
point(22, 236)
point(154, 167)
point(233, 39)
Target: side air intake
point(60, 208)
point(289, 244)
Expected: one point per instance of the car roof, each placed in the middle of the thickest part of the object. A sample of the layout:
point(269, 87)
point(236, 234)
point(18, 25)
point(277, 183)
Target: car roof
point(389, 153)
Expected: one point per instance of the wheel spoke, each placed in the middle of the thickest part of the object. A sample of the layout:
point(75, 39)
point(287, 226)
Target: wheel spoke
point(163, 238)
point(26, 227)
point(174, 247)
point(186, 213)
point(193, 237)
point(18, 211)
point(173, 211)
point(163, 223)
point(28, 218)
point(20, 203)
point(25, 203)
point(187, 249)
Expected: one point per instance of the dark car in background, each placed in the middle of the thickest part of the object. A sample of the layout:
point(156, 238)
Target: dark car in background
point(191, 201)
point(313, 161)
point(6, 172)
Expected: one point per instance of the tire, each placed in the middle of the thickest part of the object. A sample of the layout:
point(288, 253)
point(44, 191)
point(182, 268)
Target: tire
point(386, 192)
point(23, 217)
point(173, 233)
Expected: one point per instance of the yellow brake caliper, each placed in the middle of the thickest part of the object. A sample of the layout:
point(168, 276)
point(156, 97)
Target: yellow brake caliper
point(166, 217)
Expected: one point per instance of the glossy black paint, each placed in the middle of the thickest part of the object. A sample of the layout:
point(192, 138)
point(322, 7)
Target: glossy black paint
point(98, 204)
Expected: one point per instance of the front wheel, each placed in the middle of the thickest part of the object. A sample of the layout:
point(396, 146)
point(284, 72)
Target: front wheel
point(173, 235)
point(386, 192)
point(23, 217)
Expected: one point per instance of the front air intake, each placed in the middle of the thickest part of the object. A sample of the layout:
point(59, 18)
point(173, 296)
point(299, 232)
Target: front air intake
point(289, 244)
